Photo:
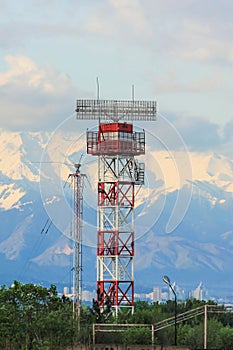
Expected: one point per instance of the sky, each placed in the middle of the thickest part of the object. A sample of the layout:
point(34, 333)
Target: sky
point(178, 53)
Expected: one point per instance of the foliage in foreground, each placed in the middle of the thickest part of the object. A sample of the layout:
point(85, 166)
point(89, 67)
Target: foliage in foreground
point(33, 317)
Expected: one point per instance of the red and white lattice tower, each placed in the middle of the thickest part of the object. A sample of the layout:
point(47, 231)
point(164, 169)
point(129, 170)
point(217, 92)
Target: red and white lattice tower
point(116, 144)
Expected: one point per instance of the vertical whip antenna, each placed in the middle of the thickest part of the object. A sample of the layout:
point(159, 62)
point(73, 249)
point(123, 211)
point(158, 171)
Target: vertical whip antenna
point(133, 92)
point(98, 88)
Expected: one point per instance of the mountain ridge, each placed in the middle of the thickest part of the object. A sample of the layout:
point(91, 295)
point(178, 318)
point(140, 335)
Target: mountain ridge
point(199, 246)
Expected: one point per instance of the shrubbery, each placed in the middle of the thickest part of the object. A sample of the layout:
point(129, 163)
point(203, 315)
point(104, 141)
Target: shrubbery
point(33, 317)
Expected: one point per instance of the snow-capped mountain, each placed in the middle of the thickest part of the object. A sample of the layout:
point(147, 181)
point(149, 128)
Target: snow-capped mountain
point(183, 223)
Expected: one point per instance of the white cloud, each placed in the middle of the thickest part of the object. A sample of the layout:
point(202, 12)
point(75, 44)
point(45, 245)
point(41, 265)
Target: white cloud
point(119, 19)
point(18, 66)
point(130, 11)
point(23, 72)
point(171, 82)
point(33, 97)
point(186, 29)
point(204, 41)
point(181, 47)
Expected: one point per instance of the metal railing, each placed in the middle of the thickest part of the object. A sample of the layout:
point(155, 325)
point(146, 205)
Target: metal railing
point(135, 146)
point(201, 310)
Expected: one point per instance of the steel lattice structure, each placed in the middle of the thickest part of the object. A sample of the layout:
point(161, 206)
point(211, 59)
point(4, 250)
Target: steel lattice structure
point(116, 144)
point(78, 184)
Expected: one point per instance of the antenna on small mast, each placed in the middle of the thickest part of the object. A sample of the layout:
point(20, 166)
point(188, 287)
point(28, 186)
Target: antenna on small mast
point(98, 93)
point(98, 88)
point(133, 92)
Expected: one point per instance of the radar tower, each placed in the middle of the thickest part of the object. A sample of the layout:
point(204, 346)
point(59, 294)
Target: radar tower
point(116, 145)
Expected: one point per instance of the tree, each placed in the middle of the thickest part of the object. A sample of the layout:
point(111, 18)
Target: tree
point(104, 314)
point(32, 316)
point(137, 335)
point(193, 335)
point(226, 338)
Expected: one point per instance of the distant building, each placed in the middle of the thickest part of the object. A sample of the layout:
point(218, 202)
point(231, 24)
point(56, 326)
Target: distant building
point(157, 294)
point(164, 296)
point(66, 291)
point(180, 292)
point(200, 293)
point(169, 295)
point(88, 296)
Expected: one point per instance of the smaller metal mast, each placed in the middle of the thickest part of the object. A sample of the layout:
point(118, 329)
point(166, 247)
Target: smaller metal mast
point(78, 184)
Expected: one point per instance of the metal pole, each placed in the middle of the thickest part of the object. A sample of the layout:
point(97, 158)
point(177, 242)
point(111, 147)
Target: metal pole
point(152, 336)
point(205, 327)
point(175, 320)
point(166, 279)
point(175, 314)
point(93, 334)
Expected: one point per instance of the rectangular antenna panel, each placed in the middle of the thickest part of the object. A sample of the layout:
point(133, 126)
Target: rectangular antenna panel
point(116, 110)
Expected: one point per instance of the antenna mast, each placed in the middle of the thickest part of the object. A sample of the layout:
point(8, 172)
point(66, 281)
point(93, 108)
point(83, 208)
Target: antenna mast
point(78, 184)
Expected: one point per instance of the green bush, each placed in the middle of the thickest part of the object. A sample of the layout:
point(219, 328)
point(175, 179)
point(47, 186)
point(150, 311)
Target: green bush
point(137, 335)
